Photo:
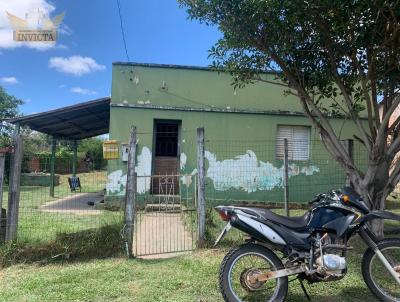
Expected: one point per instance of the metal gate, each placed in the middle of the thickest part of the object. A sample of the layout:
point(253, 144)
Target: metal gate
point(165, 222)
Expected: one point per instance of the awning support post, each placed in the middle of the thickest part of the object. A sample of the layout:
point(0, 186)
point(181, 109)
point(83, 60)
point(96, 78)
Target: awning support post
point(52, 166)
point(75, 158)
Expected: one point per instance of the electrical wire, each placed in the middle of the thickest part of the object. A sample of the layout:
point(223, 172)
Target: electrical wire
point(122, 30)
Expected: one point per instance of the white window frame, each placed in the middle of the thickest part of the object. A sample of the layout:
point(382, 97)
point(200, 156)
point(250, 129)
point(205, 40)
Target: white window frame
point(279, 144)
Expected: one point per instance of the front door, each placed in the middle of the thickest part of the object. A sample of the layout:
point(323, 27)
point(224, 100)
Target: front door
point(166, 161)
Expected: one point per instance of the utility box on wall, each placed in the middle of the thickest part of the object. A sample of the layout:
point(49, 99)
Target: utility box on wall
point(110, 150)
point(124, 151)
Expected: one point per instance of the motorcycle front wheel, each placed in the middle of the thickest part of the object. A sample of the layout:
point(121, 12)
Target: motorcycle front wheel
point(377, 276)
point(243, 261)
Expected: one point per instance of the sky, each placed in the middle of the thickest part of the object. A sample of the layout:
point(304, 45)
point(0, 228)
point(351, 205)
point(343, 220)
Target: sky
point(78, 66)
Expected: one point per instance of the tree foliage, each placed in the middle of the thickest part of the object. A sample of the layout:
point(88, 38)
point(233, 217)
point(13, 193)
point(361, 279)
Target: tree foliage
point(339, 57)
point(8, 109)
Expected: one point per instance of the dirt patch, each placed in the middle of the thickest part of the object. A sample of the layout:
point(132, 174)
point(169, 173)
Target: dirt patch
point(162, 235)
point(74, 204)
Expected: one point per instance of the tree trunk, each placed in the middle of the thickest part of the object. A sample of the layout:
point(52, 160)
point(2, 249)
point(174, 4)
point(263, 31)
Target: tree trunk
point(374, 193)
point(377, 227)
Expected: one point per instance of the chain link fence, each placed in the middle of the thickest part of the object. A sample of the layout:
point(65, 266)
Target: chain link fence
point(62, 199)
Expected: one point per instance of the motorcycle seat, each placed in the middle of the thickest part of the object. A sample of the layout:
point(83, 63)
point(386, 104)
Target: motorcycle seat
point(297, 222)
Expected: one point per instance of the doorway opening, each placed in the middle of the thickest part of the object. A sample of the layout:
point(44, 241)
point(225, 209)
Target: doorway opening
point(166, 157)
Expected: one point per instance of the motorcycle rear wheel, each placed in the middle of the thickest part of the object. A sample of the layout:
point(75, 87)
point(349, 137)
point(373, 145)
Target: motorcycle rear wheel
point(247, 259)
point(377, 277)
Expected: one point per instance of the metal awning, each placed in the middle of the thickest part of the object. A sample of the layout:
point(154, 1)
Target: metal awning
point(74, 122)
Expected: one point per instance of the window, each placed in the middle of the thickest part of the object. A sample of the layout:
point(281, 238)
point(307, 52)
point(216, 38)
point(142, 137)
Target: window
point(298, 142)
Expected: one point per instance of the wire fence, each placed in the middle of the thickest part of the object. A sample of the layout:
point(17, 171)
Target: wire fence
point(253, 171)
point(69, 205)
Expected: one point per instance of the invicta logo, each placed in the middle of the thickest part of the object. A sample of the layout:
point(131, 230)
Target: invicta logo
point(36, 27)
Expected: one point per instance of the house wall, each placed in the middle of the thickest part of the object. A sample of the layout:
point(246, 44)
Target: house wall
point(240, 140)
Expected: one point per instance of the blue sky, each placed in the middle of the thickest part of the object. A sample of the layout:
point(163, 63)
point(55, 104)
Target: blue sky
point(78, 67)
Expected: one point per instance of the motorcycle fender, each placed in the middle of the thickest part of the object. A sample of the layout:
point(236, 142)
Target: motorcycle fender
point(256, 229)
point(380, 215)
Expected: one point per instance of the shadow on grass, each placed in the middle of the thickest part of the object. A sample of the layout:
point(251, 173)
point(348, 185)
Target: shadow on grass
point(85, 245)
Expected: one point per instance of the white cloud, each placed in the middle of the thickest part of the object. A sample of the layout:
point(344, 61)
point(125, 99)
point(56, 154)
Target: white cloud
point(62, 46)
point(20, 8)
point(9, 80)
point(83, 91)
point(75, 65)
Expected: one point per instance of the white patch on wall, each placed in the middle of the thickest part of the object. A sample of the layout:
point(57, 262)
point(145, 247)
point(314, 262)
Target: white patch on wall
point(182, 160)
point(245, 172)
point(116, 183)
point(143, 168)
point(309, 170)
point(136, 80)
point(187, 179)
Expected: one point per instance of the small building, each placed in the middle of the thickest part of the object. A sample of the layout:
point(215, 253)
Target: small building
point(244, 131)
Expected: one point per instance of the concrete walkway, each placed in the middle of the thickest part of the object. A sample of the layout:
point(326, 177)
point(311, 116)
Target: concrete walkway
point(162, 235)
point(74, 204)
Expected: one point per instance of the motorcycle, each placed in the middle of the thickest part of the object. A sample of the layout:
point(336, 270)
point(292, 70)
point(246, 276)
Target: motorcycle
point(312, 247)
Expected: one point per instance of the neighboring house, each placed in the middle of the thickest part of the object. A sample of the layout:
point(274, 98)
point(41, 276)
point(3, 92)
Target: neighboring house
point(244, 130)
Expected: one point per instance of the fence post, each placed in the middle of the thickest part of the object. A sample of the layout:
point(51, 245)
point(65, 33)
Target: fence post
point(286, 175)
point(52, 166)
point(3, 219)
point(349, 145)
point(201, 187)
point(130, 193)
point(2, 169)
point(13, 191)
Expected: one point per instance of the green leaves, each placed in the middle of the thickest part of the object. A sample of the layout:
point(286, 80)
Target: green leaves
point(8, 109)
point(321, 44)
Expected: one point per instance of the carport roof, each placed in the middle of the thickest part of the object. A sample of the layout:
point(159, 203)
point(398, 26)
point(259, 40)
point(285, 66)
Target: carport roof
point(74, 122)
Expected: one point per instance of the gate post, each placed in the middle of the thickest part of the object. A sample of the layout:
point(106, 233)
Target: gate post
point(130, 193)
point(14, 185)
point(201, 187)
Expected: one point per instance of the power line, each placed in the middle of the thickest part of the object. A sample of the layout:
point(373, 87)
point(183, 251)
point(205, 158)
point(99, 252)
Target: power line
point(122, 30)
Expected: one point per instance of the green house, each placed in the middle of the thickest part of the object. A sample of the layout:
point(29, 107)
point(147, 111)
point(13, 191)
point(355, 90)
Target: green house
point(244, 133)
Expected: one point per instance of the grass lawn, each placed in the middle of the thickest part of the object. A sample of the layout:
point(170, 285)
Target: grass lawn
point(188, 278)
point(38, 227)
point(78, 277)
point(192, 277)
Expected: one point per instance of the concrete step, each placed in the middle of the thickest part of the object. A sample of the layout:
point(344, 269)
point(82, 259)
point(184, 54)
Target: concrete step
point(163, 207)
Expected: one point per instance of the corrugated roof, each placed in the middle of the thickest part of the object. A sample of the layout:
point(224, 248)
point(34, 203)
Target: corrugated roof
point(74, 122)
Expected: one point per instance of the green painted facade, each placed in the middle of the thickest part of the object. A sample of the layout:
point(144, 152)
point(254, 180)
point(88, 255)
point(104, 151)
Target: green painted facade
point(240, 129)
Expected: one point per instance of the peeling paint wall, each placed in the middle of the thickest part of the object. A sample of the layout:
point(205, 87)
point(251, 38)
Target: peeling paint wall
point(245, 172)
point(116, 180)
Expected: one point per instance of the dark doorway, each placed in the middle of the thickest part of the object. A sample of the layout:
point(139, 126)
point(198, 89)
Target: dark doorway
point(166, 159)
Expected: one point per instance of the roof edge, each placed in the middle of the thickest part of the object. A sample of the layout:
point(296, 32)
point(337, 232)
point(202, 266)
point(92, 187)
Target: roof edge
point(173, 66)
point(58, 110)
